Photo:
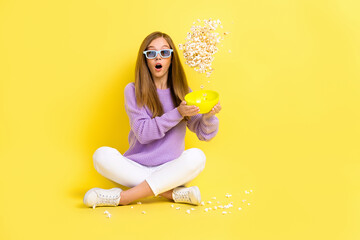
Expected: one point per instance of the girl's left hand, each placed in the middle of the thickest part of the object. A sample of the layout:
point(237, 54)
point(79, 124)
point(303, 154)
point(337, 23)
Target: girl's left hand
point(216, 109)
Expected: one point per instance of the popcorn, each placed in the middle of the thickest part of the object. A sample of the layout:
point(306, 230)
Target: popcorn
point(131, 207)
point(206, 209)
point(178, 208)
point(224, 212)
point(202, 203)
point(172, 205)
point(106, 212)
point(143, 212)
point(209, 202)
point(193, 209)
point(200, 45)
point(138, 202)
point(240, 208)
point(228, 195)
point(214, 198)
point(109, 215)
point(94, 206)
point(188, 211)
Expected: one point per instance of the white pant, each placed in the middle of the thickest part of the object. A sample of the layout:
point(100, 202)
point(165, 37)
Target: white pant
point(110, 163)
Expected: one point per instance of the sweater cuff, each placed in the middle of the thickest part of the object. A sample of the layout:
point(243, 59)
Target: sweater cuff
point(174, 115)
point(213, 120)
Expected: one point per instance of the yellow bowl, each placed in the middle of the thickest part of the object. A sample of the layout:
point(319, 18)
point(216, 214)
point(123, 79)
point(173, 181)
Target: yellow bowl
point(204, 99)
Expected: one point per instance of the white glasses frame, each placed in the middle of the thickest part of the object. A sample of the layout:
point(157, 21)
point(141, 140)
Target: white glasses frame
point(157, 52)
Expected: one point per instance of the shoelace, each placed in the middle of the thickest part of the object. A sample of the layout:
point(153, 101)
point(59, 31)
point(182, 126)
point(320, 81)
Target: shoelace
point(107, 199)
point(183, 196)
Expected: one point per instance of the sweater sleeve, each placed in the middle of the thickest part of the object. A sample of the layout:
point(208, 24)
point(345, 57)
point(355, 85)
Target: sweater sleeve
point(205, 129)
point(147, 129)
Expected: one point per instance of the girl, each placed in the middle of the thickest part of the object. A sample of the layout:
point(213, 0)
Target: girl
point(156, 162)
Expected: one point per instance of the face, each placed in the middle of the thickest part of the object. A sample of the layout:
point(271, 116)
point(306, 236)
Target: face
point(158, 44)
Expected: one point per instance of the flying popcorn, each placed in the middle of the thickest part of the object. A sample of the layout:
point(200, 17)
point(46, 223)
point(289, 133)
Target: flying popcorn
point(200, 45)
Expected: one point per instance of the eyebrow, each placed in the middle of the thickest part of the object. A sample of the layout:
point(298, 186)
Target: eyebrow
point(154, 47)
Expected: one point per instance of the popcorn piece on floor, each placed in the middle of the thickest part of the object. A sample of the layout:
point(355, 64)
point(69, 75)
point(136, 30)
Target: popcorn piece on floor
point(229, 51)
point(224, 212)
point(131, 207)
point(206, 209)
point(218, 202)
point(209, 202)
point(215, 207)
point(251, 190)
point(188, 211)
point(247, 192)
point(248, 203)
point(202, 203)
point(106, 212)
point(243, 200)
point(143, 212)
point(210, 208)
point(138, 202)
point(94, 206)
point(221, 206)
point(172, 205)
point(213, 197)
point(177, 208)
point(240, 208)
point(193, 209)
point(228, 195)
point(108, 215)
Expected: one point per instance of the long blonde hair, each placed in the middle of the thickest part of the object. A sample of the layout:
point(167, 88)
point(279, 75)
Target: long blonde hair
point(145, 89)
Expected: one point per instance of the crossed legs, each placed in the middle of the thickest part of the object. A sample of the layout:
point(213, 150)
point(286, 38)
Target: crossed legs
point(148, 181)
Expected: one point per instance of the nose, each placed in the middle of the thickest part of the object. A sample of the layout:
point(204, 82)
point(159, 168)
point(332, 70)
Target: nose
point(158, 56)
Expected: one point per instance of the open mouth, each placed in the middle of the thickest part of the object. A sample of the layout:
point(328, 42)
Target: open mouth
point(158, 66)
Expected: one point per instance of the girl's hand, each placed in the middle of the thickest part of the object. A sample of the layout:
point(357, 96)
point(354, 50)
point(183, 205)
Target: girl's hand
point(216, 109)
point(186, 110)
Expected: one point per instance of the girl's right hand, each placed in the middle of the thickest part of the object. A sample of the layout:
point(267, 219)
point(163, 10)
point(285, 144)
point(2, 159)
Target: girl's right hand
point(186, 110)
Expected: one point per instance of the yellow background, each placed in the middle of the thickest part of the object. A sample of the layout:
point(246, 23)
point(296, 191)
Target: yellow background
point(289, 128)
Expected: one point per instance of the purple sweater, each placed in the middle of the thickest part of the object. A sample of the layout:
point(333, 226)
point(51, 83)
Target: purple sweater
point(154, 141)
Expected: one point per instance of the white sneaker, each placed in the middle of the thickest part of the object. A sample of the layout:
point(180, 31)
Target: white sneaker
point(189, 195)
point(102, 197)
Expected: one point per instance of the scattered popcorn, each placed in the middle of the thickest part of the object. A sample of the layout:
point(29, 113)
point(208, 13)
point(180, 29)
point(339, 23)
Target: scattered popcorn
point(240, 208)
point(215, 207)
point(218, 202)
point(210, 208)
point(172, 205)
point(221, 206)
point(247, 192)
point(177, 208)
point(224, 212)
point(94, 206)
point(138, 202)
point(213, 197)
point(248, 203)
point(106, 212)
point(193, 209)
point(209, 202)
point(202, 203)
point(188, 211)
point(206, 209)
point(229, 51)
point(228, 195)
point(131, 207)
point(200, 45)
point(243, 200)
point(143, 212)
point(251, 190)
point(109, 215)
